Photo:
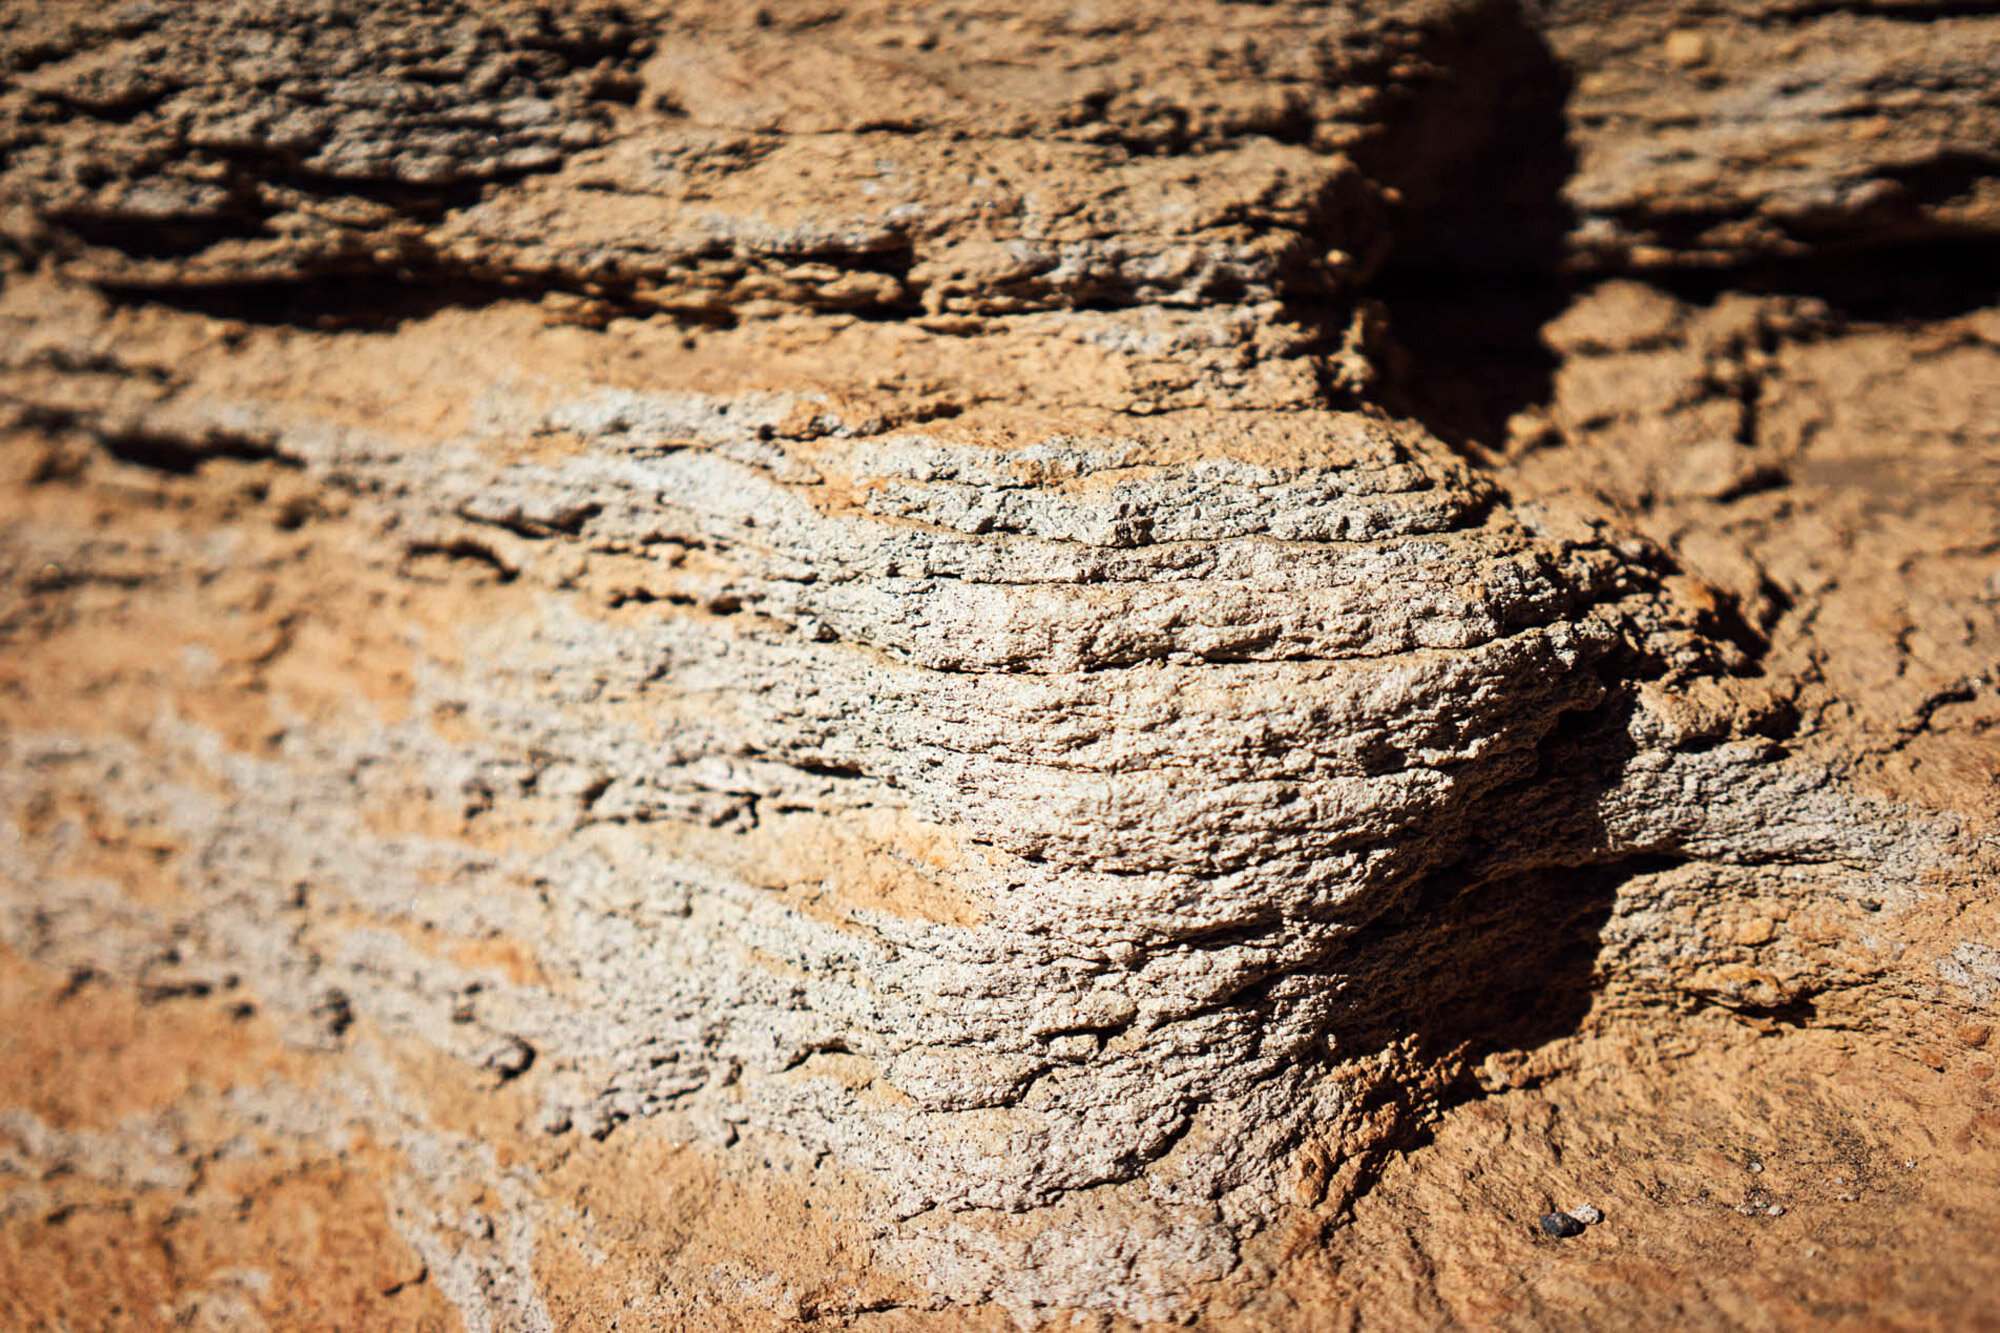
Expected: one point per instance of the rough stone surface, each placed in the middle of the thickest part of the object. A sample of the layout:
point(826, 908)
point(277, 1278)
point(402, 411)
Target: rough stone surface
point(900, 668)
point(1785, 130)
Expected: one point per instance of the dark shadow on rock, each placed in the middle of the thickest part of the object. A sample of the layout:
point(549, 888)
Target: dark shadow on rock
point(1498, 951)
point(326, 303)
point(1497, 954)
point(1918, 282)
point(1481, 231)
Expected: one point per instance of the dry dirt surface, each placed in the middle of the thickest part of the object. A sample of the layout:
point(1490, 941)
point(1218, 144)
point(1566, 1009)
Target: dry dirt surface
point(895, 667)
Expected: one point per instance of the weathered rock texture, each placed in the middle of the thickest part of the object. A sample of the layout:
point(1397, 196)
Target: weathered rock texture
point(819, 664)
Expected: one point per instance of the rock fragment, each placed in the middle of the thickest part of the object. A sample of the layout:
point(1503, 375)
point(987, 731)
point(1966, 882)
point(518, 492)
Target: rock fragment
point(1560, 1225)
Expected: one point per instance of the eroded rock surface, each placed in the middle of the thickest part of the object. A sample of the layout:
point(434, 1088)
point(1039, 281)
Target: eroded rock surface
point(622, 625)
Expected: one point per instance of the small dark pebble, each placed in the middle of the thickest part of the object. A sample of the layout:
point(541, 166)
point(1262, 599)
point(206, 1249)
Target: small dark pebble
point(509, 1057)
point(1561, 1224)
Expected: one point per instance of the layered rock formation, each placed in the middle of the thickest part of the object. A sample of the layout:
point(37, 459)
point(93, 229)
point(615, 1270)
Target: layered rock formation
point(929, 626)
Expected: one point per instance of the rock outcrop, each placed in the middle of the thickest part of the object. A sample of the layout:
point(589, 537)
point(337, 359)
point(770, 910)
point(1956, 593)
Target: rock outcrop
point(856, 609)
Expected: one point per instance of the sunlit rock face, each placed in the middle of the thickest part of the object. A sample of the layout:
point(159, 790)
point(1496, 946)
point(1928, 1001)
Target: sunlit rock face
point(788, 581)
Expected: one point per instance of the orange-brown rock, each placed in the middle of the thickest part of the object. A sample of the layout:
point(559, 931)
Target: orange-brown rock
point(890, 667)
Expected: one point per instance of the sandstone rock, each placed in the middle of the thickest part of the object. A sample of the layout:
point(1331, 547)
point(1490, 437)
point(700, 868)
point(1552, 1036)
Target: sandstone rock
point(677, 620)
point(1776, 131)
